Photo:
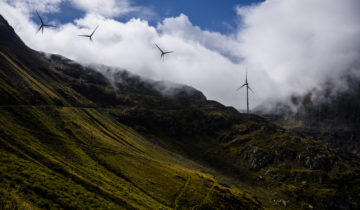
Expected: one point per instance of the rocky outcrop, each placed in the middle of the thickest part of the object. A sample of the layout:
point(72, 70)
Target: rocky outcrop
point(258, 158)
point(315, 161)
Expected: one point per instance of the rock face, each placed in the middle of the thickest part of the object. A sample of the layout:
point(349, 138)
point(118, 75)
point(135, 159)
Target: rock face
point(258, 159)
point(319, 161)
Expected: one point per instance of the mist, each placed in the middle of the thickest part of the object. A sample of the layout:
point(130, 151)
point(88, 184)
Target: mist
point(288, 46)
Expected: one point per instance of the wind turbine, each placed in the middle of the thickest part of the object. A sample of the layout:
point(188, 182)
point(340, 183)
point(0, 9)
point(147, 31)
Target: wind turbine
point(43, 25)
point(163, 53)
point(247, 91)
point(90, 36)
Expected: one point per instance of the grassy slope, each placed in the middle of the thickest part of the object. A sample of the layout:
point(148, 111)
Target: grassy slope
point(70, 156)
point(71, 144)
point(281, 168)
point(76, 157)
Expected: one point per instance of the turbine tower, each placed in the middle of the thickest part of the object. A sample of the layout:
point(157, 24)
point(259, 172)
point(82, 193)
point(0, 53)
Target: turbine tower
point(247, 92)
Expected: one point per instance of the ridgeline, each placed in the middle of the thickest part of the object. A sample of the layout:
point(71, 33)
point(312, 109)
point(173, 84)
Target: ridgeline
point(71, 138)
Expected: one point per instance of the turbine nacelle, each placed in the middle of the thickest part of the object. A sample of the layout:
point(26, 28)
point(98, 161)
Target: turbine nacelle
point(163, 53)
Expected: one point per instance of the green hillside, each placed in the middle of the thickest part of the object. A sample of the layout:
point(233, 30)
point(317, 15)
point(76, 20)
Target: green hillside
point(72, 139)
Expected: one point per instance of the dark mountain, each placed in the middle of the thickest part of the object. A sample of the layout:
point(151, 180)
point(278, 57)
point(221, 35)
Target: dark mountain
point(123, 81)
point(328, 114)
point(74, 138)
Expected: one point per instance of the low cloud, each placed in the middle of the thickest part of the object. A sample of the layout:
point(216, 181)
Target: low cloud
point(300, 44)
point(288, 46)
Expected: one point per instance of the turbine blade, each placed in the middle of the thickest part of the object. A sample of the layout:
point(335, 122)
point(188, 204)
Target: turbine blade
point(42, 22)
point(246, 74)
point(168, 52)
point(240, 87)
point(94, 30)
point(159, 48)
point(39, 29)
point(250, 89)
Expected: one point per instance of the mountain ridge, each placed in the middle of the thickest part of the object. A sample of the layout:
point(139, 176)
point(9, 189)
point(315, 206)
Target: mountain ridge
point(70, 139)
point(326, 113)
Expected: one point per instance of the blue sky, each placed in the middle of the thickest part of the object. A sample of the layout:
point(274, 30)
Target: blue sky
point(212, 15)
point(283, 41)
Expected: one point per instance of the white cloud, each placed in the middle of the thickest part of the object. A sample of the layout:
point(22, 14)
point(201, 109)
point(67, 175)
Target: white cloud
point(107, 8)
point(182, 27)
point(288, 45)
point(299, 44)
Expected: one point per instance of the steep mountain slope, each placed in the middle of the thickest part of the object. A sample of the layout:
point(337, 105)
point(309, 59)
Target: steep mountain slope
point(328, 114)
point(59, 148)
point(71, 137)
